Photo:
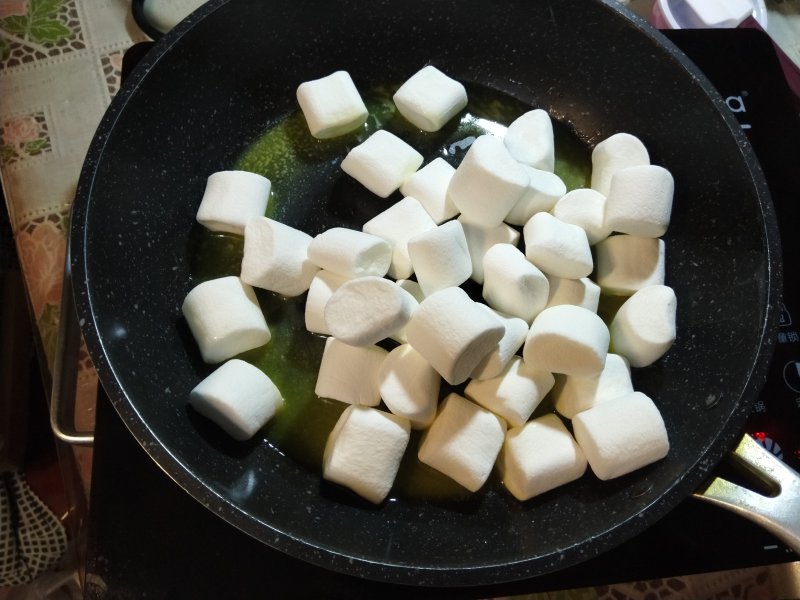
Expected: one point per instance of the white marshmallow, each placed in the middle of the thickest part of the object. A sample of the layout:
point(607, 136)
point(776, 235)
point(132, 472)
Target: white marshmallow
point(364, 311)
point(514, 336)
point(231, 198)
point(616, 152)
point(382, 162)
point(627, 263)
point(319, 292)
point(429, 99)
point(331, 105)
point(621, 435)
point(515, 393)
point(453, 333)
point(409, 386)
point(567, 339)
point(413, 288)
point(364, 450)
point(557, 248)
point(440, 257)
point(480, 239)
point(276, 257)
point(238, 397)
point(538, 457)
point(225, 318)
point(350, 253)
point(585, 208)
point(572, 395)
point(463, 442)
point(349, 373)
point(488, 182)
point(396, 224)
point(512, 284)
point(580, 292)
point(542, 193)
point(644, 327)
point(429, 186)
point(530, 140)
point(640, 201)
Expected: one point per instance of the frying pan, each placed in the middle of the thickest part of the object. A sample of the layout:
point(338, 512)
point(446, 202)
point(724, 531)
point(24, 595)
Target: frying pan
point(228, 73)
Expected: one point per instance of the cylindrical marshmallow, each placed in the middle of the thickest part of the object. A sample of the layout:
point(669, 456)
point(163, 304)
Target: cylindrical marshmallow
point(238, 397)
point(480, 239)
point(401, 221)
point(364, 311)
point(413, 288)
point(579, 292)
point(382, 162)
point(644, 327)
point(621, 435)
point(349, 373)
point(453, 333)
point(231, 198)
point(331, 105)
point(463, 442)
point(429, 98)
point(530, 140)
point(585, 208)
point(515, 393)
point(319, 292)
point(409, 386)
point(429, 186)
point(276, 257)
point(350, 253)
point(543, 192)
point(225, 318)
point(572, 395)
point(538, 457)
point(557, 248)
point(640, 201)
point(627, 263)
point(487, 183)
point(616, 152)
point(440, 257)
point(512, 284)
point(364, 450)
point(567, 339)
point(496, 361)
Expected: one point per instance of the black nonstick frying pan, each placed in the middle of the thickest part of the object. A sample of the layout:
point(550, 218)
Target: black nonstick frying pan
point(211, 89)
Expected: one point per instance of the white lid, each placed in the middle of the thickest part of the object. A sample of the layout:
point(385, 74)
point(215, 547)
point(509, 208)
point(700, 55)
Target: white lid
point(718, 13)
point(695, 14)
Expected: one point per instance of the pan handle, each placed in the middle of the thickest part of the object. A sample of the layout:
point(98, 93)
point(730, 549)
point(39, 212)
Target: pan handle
point(65, 369)
point(142, 19)
point(157, 18)
point(779, 512)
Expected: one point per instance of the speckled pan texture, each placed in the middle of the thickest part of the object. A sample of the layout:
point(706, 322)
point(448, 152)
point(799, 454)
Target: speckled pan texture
point(227, 74)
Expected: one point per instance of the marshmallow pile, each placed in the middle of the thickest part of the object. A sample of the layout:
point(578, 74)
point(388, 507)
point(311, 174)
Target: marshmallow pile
point(390, 299)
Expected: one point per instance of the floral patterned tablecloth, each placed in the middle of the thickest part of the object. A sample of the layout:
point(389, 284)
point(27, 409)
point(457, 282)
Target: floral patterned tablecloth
point(60, 64)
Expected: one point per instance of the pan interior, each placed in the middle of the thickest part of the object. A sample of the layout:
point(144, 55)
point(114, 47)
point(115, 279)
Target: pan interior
point(310, 193)
point(211, 90)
